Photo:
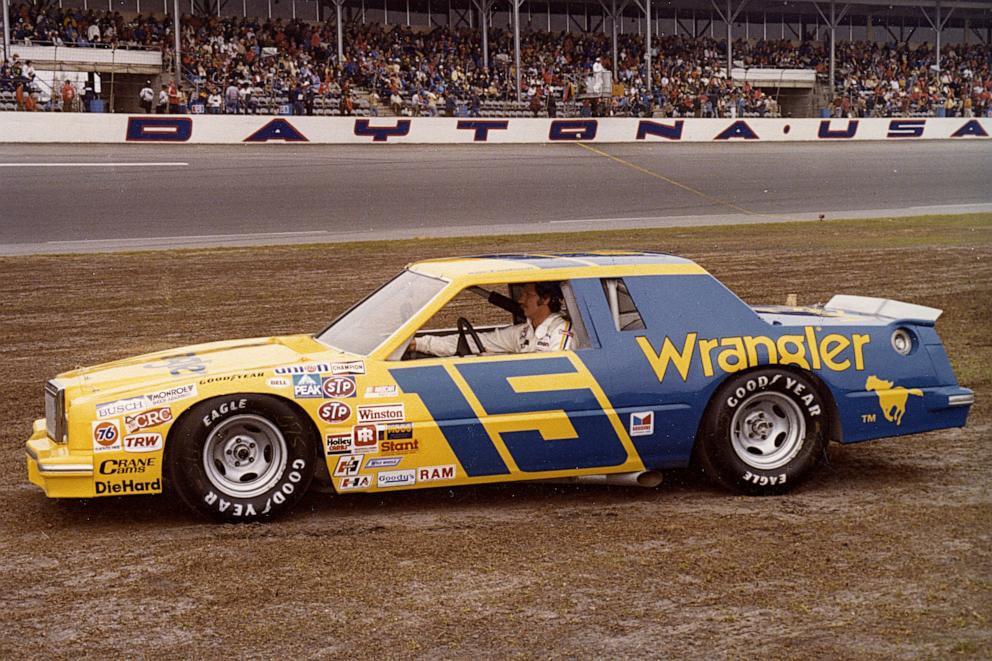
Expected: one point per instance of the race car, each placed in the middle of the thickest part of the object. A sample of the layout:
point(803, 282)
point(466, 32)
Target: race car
point(655, 365)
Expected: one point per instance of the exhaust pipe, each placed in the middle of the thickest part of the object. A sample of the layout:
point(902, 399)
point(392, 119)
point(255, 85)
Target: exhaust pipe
point(649, 479)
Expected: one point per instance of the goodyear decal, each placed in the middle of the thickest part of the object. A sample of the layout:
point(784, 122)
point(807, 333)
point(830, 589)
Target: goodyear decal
point(833, 351)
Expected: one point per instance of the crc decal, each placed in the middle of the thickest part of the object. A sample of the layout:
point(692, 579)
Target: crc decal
point(546, 437)
point(147, 442)
point(106, 436)
point(223, 409)
point(337, 443)
point(348, 465)
point(126, 466)
point(357, 482)
point(892, 399)
point(397, 478)
point(642, 423)
point(338, 387)
point(436, 473)
point(834, 351)
point(307, 386)
point(384, 413)
point(364, 438)
point(127, 486)
point(334, 412)
point(152, 418)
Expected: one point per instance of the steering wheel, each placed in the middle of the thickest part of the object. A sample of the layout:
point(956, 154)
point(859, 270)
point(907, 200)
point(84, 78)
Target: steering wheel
point(464, 330)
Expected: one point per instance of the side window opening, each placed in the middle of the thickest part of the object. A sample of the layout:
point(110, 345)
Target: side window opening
point(626, 316)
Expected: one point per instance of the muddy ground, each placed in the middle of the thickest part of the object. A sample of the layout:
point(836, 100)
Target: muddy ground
point(884, 554)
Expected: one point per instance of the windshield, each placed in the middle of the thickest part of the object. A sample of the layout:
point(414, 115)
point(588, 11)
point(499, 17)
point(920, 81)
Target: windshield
point(365, 326)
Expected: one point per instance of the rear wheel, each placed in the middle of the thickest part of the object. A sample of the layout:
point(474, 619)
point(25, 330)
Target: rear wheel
point(762, 432)
point(241, 457)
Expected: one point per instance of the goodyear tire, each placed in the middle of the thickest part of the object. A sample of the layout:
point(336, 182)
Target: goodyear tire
point(240, 458)
point(763, 432)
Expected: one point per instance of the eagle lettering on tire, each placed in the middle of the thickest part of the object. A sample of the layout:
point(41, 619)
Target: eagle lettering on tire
point(763, 431)
point(241, 457)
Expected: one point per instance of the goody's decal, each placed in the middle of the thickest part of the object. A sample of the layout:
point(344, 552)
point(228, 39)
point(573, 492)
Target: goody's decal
point(832, 351)
point(892, 399)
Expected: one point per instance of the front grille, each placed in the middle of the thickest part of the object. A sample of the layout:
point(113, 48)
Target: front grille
point(55, 411)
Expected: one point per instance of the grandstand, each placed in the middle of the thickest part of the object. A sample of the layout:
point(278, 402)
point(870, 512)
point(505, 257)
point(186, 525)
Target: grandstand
point(419, 57)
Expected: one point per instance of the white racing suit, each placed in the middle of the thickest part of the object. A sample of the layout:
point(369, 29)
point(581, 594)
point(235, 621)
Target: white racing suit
point(553, 334)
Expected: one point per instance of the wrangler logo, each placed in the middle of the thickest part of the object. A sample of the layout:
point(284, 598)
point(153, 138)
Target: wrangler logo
point(732, 354)
point(891, 399)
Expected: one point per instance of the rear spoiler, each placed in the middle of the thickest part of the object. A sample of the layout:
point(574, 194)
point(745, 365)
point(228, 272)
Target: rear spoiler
point(882, 307)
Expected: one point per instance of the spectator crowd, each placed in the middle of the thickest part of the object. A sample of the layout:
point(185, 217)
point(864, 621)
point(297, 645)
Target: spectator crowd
point(232, 65)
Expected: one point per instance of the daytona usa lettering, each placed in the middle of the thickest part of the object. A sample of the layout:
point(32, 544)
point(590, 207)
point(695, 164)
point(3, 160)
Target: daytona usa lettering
point(834, 351)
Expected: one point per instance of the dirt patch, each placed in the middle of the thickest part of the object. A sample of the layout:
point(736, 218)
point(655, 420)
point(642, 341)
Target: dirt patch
point(884, 554)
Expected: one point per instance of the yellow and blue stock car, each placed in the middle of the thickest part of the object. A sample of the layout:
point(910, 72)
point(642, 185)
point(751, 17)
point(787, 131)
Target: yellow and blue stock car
point(663, 366)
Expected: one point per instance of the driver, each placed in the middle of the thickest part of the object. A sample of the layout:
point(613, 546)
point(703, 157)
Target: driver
point(546, 328)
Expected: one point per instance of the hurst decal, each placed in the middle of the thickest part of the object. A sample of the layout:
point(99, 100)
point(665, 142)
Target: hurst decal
point(833, 351)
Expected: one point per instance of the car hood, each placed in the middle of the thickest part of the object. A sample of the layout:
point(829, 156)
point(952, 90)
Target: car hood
point(197, 362)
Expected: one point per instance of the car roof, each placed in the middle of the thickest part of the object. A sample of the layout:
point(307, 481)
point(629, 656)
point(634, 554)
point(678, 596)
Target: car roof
point(452, 267)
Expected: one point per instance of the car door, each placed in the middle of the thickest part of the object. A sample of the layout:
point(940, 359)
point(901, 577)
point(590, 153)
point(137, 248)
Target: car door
point(521, 416)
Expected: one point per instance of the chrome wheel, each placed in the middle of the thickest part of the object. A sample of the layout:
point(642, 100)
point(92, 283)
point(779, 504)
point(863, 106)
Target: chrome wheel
point(244, 456)
point(767, 430)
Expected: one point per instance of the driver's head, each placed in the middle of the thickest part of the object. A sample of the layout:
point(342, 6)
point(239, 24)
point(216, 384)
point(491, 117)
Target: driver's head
point(539, 299)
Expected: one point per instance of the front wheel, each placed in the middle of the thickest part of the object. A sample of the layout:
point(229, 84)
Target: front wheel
point(241, 457)
point(763, 432)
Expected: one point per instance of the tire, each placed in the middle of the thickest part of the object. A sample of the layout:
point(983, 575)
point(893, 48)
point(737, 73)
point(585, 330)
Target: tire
point(241, 458)
point(763, 432)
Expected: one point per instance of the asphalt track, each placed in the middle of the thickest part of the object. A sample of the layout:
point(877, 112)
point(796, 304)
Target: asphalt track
point(63, 198)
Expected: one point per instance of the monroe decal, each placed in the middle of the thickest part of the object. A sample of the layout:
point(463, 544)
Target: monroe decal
point(732, 354)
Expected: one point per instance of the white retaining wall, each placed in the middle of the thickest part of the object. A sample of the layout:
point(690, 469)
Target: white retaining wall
point(23, 127)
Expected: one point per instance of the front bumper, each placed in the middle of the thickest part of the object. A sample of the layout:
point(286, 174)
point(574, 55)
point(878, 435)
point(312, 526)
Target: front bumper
point(59, 472)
